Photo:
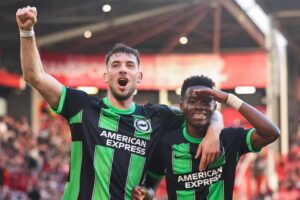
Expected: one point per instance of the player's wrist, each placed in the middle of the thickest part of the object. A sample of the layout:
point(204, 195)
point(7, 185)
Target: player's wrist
point(234, 101)
point(26, 33)
point(150, 193)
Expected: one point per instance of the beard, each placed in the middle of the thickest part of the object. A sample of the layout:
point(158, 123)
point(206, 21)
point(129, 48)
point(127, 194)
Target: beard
point(121, 97)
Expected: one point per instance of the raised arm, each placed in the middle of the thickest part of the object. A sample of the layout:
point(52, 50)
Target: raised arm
point(32, 67)
point(265, 131)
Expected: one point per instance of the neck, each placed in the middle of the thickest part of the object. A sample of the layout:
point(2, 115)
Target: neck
point(196, 132)
point(122, 105)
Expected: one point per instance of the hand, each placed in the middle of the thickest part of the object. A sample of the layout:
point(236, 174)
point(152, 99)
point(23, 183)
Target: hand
point(218, 95)
point(26, 18)
point(209, 148)
point(138, 193)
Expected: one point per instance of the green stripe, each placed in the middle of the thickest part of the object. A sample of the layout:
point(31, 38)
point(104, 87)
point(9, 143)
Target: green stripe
point(72, 187)
point(135, 171)
point(216, 191)
point(185, 194)
point(102, 163)
point(61, 101)
point(66, 194)
point(248, 141)
point(182, 162)
point(109, 120)
point(116, 110)
point(76, 119)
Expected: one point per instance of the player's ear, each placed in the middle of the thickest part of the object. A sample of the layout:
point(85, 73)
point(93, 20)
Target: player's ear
point(181, 106)
point(140, 77)
point(105, 77)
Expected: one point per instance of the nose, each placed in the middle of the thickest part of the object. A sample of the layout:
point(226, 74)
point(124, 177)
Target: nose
point(123, 68)
point(199, 105)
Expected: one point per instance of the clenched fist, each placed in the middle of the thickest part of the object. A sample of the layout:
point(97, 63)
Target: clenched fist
point(26, 18)
point(138, 193)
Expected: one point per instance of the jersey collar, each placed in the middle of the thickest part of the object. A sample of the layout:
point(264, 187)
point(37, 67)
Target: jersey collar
point(119, 111)
point(190, 138)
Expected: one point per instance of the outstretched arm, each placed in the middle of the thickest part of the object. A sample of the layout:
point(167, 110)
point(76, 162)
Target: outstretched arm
point(32, 67)
point(265, 131)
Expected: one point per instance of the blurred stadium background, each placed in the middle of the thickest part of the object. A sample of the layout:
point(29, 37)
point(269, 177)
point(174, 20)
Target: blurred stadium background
point(248, 47)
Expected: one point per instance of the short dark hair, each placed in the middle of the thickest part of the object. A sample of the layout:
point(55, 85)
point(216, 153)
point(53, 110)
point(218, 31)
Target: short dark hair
point(123, 48)
point(196, 81)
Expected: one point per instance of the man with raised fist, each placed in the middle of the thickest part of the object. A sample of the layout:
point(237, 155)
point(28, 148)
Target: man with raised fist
point(112, 138)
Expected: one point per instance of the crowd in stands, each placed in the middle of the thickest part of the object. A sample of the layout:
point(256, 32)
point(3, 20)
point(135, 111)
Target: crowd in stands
point(34, 166)
point(288, 170)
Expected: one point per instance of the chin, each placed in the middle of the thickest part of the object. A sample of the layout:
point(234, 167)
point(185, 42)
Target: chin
point(200, 124)
point(123, 97)
point(120, 96)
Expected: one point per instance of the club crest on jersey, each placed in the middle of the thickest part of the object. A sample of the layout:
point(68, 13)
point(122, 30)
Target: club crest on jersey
point(143, 125)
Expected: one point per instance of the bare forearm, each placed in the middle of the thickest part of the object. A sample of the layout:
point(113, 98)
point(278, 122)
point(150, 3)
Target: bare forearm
point(216, 124)
point(266, 131)
point(34, 74)
point(217, 121)
point(30, 61)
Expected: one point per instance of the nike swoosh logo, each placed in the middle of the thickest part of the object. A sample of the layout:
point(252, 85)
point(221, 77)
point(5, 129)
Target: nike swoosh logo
point(179, 156)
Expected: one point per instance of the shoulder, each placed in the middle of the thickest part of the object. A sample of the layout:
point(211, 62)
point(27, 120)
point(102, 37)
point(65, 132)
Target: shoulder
point(233, 130)
point(169, 116)
point(81, 97)
point(74, 93)
point(232, 133)
point(167, 109)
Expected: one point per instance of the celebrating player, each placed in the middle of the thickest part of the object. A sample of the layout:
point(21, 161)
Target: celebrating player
point(174, 156)
point(112, 138)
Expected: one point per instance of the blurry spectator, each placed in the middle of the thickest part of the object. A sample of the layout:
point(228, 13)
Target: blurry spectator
point(1, 176)
point(25, 170)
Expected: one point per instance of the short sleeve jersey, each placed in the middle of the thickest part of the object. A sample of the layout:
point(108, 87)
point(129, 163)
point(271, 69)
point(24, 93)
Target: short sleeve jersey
point(110, 147)
point(174, 158)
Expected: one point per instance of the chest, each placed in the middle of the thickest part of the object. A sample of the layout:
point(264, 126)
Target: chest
point(132, 133)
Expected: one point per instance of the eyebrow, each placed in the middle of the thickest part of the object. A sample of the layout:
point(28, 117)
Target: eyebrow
point(117, 61)
point(205, 98)
point(131, 62)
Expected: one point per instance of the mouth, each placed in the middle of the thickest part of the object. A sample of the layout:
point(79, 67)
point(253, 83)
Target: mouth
point(199, 115)
point(122, 82)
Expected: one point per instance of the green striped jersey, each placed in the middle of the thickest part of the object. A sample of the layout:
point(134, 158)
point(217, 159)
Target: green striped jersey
point(110, 147)
point(174, 158)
